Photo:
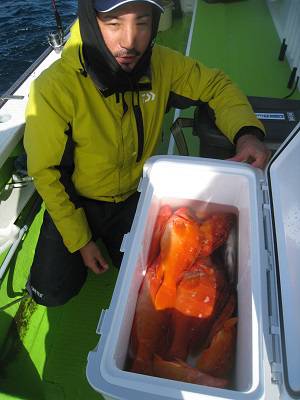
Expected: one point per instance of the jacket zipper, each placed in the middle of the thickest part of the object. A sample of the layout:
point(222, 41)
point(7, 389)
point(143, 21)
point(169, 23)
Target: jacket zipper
point(140, 126)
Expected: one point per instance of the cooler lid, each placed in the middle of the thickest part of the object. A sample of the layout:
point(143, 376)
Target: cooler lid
point(283, 174)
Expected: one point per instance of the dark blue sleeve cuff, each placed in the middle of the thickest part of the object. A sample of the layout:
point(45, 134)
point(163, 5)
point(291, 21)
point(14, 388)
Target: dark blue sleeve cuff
point(249, 130)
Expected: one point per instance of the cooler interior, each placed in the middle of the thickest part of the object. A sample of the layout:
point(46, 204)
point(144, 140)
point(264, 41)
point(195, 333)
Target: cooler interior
point(225, 186)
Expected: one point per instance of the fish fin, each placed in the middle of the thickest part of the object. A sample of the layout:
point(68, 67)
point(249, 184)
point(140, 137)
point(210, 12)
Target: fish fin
point(165, 297)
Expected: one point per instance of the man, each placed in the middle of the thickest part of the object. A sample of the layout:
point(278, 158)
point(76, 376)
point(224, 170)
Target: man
point(90, 128)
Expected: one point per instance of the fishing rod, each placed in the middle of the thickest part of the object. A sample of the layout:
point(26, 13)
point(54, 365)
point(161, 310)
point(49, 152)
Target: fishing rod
point(56, 39)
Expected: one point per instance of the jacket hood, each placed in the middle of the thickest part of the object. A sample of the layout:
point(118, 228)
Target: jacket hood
point(72, 50)
point(98, 61)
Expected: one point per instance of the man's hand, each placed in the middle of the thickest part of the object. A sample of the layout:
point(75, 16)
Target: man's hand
point(250, 149)
point(93, 258)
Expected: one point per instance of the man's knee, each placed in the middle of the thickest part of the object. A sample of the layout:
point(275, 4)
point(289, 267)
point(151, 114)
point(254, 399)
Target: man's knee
point(56, 275)
point(53, 297)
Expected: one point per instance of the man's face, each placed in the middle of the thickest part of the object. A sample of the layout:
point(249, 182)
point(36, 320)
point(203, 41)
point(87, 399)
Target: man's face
point(127, 32)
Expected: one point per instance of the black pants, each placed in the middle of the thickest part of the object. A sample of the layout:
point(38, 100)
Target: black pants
point(57, 275)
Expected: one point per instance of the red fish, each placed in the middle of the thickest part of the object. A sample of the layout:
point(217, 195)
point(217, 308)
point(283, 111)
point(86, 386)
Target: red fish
point(179, 249)
point(195, 306)
point(164, 214)
point(218, 358)
point(225, 310)
point(180, 371)
point(147, 333)
point(214, 232)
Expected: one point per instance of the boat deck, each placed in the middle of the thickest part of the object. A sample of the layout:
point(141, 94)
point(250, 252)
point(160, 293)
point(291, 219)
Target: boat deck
point(44, 351)
point(240, 38)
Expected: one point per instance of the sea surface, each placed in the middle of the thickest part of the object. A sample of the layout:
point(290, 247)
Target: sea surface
point(24, 26)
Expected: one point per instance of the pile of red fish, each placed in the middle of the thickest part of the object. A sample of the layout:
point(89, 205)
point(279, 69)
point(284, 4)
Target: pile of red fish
point(186, 306)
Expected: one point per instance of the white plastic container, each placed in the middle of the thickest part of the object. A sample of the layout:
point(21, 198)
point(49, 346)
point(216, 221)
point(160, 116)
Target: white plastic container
point(268, 341)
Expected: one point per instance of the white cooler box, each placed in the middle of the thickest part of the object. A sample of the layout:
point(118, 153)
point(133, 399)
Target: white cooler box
point(267, 362)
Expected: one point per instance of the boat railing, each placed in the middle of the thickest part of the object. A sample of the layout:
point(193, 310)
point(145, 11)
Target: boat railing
point(17, 191)
point(10, 93)
point(286, 17)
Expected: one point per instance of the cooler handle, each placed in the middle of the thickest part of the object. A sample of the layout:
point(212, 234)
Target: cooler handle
point(103, 315)
point(125, 243)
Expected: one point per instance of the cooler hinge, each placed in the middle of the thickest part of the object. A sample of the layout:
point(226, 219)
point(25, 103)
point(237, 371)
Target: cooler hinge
point(265, 190)
point(275, 358)
point(274, 328)
point(268, 236)
point(267, 224)
point(276, 370)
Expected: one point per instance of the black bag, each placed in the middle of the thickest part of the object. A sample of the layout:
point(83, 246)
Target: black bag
point(279, 117)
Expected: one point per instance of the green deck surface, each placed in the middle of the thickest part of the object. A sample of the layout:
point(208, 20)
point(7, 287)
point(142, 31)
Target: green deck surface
point(240, 38)
point(44, 351)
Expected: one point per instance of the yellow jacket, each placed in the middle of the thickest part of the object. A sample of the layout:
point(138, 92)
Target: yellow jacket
point(68, 121)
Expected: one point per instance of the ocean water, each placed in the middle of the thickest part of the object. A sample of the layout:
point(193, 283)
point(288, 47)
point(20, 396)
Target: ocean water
point(24, 26)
